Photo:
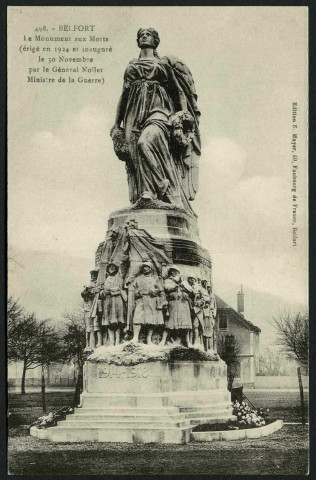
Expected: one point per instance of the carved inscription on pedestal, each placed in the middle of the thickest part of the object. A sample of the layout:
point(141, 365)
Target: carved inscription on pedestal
point(113, 371)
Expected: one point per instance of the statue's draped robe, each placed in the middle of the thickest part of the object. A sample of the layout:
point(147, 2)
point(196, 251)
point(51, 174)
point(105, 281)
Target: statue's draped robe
point(153, 94)
point(149, 300)
point(178, 306)
point(114, 311)
point(197, 311)
point(88, 297)
point(208, 320)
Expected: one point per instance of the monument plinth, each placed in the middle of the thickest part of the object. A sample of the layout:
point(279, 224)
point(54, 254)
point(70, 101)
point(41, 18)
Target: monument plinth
point(145, 396)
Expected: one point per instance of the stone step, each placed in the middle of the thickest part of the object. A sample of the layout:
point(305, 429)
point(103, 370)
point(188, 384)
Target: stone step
point(148, 434)
point(126, 411)
point(125, 423)
point(125, 400)
point(156, 400)
point(212, 420)
point(201, 397)
point(134, 417)
point(208, 413)
point(199, 408)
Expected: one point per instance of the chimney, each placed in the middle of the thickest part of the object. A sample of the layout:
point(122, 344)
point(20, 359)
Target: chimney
point(240, 302)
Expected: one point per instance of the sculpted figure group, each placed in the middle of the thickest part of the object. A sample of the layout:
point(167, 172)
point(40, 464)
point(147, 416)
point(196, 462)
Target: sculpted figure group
point(176, 310)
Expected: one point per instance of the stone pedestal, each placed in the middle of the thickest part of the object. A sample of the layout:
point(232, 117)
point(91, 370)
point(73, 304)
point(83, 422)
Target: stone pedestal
point(148, 402)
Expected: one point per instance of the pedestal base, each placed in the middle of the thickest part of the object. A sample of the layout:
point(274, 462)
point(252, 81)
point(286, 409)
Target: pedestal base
point(149, 402)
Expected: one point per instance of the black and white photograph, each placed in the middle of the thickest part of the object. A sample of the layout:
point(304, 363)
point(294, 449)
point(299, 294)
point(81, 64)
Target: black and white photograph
point(157, 298)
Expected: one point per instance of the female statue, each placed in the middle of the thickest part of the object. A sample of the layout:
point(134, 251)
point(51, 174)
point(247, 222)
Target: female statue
point(88, 295)
point(179, 306)
point(213, 313)
point(159, 140)
point(114, 300)
point(196, 312)
point(149, 301)
point(207, 319)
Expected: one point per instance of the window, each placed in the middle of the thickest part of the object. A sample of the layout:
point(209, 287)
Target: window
point(223, 322)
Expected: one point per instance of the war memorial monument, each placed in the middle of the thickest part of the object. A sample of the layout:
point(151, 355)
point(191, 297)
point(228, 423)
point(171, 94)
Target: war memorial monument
point(152, 370)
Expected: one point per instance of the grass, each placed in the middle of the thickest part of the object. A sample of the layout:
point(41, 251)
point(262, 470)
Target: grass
point(284, 452)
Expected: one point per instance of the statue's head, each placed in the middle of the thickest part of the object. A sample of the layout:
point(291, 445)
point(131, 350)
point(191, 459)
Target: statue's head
point(148, 38)
point(147, 268)
point(93, 275)
point(174, 273)
point(112, 269)
point(112, 232)
point(192, 281)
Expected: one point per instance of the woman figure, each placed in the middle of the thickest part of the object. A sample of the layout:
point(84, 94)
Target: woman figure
point(196, 312)
point(208, 322)
point(178, 297)
point(88, 295)
point(149, 301)
point(213, 313)
point(154, 90)
point(114, 301)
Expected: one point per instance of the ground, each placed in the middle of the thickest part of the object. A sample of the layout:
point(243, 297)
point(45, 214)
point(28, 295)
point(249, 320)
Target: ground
point(284, 452)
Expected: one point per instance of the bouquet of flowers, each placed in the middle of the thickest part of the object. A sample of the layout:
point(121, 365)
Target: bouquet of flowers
point(51, 419)
point(248, 417)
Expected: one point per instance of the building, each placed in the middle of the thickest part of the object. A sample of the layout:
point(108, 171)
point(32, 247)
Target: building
point(232, 322)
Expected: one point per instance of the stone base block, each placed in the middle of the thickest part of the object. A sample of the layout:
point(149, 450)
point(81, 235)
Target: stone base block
point(115, 434)
point(145, 403)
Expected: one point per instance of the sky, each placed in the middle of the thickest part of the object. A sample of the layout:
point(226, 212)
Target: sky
point(249, 65)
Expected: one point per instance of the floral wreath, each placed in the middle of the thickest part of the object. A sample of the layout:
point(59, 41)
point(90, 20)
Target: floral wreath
point(183, 129)
point(120, 144)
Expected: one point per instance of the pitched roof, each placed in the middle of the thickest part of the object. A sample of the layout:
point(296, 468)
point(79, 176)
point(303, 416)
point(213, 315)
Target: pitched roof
point(223, 305)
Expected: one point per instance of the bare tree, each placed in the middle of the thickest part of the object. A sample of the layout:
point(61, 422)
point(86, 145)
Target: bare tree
point(14, 312)
point(49, 350)
point(75, 341)
point(293, 334)
point(22, 343)
point(29, 340)
point(229, 349)
point(273, 363)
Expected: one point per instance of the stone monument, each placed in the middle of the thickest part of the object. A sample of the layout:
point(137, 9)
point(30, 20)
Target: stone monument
point(151, 371)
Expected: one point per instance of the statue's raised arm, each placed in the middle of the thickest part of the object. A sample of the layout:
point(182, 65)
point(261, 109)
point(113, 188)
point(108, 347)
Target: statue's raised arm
point(156, 128)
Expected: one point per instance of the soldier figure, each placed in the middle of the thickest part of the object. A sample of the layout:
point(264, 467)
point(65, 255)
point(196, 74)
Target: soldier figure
point(114, 303)
point(178, 297)
point(213, 312)
point(207, 318)
point(196, 312)
point(88, 298)
point(149, 301)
